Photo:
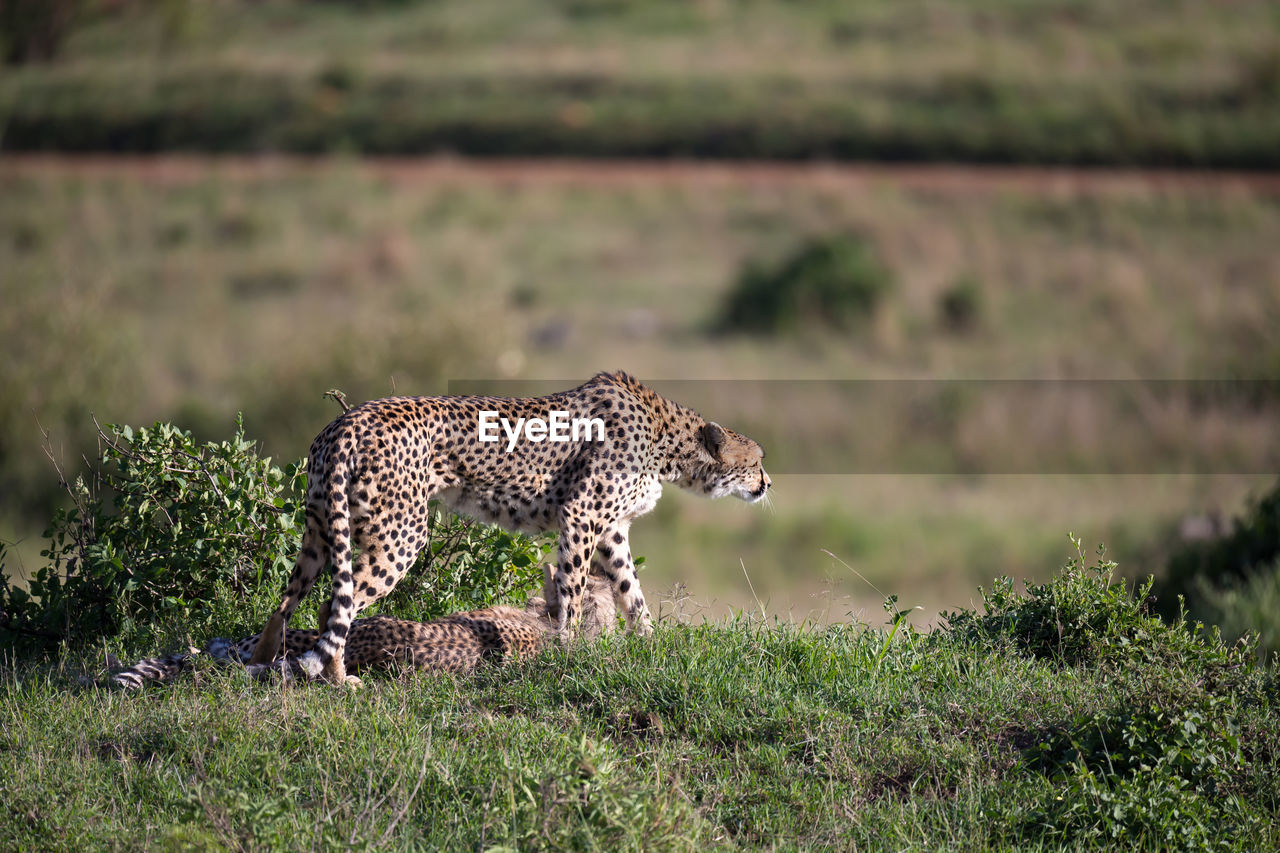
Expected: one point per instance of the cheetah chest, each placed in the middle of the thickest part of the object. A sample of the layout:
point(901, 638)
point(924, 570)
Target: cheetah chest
point(646, 498)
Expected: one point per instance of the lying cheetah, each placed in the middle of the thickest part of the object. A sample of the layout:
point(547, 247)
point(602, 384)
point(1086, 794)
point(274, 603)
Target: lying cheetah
point(455, 643)
point(373, 470)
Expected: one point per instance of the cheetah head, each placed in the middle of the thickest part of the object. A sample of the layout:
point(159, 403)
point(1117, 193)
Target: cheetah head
point(727, 463)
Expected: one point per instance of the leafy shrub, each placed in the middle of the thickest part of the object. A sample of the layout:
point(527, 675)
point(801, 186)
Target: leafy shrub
point(166, 528)
point(835, 281)
point(157, 529)
point(1080, 616)
point(466, 565)
point(1160, 776)
point(1159, 765)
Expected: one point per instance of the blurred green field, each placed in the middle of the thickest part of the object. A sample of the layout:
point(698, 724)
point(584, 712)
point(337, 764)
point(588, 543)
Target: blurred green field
point(1156, 82)
point(190, 290)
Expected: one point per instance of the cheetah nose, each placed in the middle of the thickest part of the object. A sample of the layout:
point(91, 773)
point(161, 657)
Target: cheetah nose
point(765, 477)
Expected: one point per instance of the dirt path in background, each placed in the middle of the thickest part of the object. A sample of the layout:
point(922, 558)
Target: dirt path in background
point(634, 173)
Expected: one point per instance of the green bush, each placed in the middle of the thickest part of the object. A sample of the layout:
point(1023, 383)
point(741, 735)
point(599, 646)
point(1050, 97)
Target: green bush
point(1157, 776)
point(170, 532)
point(156, 530)
point(1157, 762)
point(1080, 616)
point(960, 306)
point(836, 281)
point(467, 565)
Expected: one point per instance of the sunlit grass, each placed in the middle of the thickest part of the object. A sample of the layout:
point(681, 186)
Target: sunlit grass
point(743, 734)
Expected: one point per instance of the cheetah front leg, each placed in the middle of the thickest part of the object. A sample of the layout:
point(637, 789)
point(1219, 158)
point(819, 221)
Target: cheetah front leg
point(618, 566)
point(578, 540)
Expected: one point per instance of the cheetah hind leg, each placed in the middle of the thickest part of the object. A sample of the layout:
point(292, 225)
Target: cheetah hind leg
point(334, 672)
point(270, 641)
point(322, 618)
point(312, 557)
point(374, 573)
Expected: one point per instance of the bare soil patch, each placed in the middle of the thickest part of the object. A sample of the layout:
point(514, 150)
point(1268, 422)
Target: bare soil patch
point(951, 179)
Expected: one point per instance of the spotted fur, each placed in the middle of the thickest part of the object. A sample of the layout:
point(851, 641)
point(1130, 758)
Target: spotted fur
point(373, 470)
point(455, 643)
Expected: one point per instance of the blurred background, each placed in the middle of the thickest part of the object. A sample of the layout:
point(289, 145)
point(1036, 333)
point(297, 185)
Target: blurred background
point(851, 216)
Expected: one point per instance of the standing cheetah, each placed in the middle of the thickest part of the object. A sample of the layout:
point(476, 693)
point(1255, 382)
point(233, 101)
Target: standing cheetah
point(372, 471)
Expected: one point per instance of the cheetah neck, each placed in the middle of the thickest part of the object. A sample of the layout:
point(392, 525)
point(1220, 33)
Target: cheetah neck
point(679, 431)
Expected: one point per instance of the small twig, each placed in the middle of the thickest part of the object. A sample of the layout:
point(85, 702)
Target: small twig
point(102, 436)
point(339, 398)
point(46, 445)
point(83, 533)
point(855, 571)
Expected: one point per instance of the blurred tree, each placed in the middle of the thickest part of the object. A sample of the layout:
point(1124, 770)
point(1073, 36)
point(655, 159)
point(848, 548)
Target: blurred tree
point(33, 30)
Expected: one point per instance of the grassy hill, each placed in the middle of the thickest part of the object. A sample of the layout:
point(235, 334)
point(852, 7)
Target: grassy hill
point(1056, 719)
point(1083, 82)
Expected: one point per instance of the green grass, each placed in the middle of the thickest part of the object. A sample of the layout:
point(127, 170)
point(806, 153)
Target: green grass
point(981, 735)
point(1085, 82)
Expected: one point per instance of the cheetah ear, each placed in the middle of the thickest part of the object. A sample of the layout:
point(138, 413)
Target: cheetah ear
point(714, 438)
